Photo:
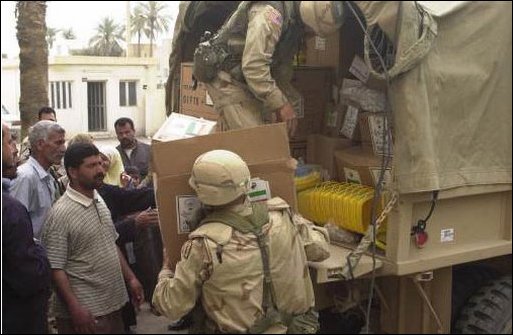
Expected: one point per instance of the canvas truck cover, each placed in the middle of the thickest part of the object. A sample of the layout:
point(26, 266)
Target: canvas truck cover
point(450, 91)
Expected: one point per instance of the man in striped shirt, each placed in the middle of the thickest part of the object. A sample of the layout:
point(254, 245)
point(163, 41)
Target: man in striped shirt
point(87, 267)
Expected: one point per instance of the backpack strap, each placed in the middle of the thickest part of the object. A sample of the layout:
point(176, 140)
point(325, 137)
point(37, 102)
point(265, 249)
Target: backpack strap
point(253, 224)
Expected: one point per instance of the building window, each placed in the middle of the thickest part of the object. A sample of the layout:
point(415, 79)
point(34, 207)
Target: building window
point(60, 94)
point(127, 93)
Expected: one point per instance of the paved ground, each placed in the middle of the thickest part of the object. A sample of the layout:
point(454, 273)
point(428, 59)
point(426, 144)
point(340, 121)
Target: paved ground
point(147, 323)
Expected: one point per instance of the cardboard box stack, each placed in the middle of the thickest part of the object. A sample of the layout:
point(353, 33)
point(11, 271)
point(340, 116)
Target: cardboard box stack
point(365, 123)
point(351, 146)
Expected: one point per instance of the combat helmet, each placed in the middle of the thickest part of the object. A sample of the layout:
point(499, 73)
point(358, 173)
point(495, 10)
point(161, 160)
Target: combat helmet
point(219, 177)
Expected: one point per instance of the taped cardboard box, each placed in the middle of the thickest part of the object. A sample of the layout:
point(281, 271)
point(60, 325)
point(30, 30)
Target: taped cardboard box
point(265, 149)
point(361, 166)
point(321, 151)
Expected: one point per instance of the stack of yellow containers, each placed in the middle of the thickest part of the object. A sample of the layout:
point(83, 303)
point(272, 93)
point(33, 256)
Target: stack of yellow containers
point(347, 205)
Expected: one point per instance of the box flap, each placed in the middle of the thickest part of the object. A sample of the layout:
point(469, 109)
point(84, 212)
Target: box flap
point(255, 145)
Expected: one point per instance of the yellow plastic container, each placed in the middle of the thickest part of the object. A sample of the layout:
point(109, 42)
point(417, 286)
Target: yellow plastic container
point(347, 205)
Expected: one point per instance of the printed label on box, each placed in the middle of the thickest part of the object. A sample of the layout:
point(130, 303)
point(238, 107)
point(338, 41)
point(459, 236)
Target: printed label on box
point(350, 83)
point(359, 69)
point(377, 126)
point(350, 122)
point(259, 190)
point(447, 235)
point(387, 178)
point(352, 176)
point(320, 43)
point(189, 213)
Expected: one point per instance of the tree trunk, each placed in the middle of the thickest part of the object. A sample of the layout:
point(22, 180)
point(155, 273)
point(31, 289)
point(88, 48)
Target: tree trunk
point(152, 28)
point(31, 32)
point(139, 44)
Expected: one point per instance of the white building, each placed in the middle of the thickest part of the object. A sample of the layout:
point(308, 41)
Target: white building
point(90, 93)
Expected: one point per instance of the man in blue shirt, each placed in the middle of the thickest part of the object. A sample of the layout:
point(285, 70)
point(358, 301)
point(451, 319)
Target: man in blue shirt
point(25, 267)
point(34, 186)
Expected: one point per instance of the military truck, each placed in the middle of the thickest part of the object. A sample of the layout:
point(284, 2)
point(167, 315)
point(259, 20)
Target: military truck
point(445, 68)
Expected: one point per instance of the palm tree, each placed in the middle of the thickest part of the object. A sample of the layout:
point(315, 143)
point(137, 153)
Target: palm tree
point(138, 26)
point(31, 33)
point(69, 34)
point(108, 36)
point(51, 35)
point(156, 22)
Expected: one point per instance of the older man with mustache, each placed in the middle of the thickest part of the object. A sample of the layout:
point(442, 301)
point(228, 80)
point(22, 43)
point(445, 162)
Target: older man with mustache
point(34, 186)
point(87, 267)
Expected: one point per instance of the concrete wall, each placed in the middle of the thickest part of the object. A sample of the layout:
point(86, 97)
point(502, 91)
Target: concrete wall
point(148, 115)
point(10, 78)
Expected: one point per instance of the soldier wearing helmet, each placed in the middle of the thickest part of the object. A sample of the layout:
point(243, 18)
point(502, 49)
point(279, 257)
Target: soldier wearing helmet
point(247, 65)
point(244, 270)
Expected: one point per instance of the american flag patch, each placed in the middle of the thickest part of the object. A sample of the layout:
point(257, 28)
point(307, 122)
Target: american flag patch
point(275, 17)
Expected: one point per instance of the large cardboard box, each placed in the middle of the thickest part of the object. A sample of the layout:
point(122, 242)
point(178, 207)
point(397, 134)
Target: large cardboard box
point(321, 150)
point(265, 149)
point(360, 165)
point(195, 102)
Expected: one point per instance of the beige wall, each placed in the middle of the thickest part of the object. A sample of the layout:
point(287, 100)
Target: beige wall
point(148, 115)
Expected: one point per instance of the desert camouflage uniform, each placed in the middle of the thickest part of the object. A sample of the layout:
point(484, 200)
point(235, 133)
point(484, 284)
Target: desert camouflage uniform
point(223, 269)
point(264, 75)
